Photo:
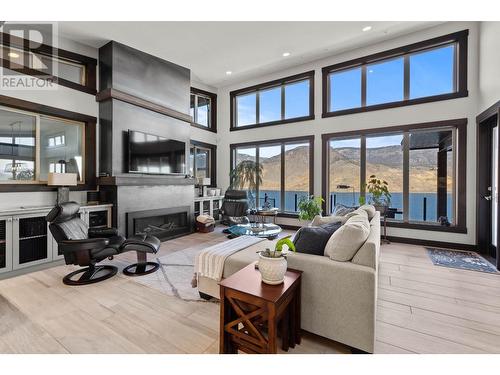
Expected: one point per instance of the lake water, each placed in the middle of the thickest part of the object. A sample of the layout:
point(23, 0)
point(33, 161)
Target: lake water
point(416, 204)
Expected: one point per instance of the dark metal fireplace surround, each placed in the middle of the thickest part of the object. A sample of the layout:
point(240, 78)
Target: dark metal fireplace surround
point(164, 223)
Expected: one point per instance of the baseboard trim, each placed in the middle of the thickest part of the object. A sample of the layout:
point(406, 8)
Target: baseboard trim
point(421, 242)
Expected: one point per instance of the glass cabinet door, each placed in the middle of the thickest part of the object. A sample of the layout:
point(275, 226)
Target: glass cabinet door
point(5, 244)
point(32, 243)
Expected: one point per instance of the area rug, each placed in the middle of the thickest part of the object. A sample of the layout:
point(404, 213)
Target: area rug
point(175, 274)
point(465, 260)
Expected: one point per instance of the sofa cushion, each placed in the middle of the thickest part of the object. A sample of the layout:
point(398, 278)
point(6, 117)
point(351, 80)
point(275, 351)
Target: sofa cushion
point(370, 210)
point(342, 210)
point(312, 240)
point(357, 212)
point(348, 239)
point(320, 220)
point(360, 218)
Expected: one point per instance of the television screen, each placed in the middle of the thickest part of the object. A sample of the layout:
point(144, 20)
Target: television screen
point(153, 154)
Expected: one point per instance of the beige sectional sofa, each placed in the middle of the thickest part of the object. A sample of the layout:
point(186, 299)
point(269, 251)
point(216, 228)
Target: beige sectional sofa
point(338, 297)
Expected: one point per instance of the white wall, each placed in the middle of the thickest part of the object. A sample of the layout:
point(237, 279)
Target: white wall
point(450, 109)
point(63, 98)
point(489, 64)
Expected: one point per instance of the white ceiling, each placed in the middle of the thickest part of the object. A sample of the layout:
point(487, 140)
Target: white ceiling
point(248, 49)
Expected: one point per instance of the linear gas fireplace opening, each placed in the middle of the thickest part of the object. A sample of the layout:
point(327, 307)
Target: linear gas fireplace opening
point(164, 223)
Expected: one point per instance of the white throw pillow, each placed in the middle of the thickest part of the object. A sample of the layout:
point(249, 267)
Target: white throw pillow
point(370, 210)
point(361, 219)
point(358, 212)
point(347, 240)
point(320, 220)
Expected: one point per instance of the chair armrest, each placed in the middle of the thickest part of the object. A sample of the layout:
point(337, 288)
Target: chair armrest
point(102, 232)
point(81, 245)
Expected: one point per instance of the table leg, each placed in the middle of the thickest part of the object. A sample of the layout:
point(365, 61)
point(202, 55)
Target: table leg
point(272, 345)
point(298, 335)
point(285, 330)
point(292, 321)
point(225, 344)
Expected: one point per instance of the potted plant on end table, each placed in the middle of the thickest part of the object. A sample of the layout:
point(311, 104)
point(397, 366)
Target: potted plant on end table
point(273, 264)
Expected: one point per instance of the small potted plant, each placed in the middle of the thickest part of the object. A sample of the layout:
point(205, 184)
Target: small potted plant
point(380, 196)
point(272, 263)
point(309, 207)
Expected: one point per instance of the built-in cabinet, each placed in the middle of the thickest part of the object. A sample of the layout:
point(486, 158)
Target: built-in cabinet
point(208, 205)
point(25, 239)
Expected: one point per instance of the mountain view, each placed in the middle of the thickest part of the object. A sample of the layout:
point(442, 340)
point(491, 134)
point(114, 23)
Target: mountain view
point(385, 162)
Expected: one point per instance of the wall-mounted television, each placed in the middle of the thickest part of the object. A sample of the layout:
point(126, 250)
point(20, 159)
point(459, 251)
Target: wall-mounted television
point(153, 154)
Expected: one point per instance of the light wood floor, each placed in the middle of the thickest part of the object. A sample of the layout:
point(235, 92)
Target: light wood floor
point(421, 309)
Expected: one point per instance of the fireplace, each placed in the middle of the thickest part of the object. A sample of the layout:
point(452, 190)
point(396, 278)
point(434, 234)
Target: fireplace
point(164, 223)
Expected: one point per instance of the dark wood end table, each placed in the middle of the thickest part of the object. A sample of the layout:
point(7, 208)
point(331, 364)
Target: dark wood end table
point(252, 312)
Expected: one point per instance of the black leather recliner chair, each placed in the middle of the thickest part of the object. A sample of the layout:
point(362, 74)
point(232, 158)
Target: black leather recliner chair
point(234, 208)
point(86, 246)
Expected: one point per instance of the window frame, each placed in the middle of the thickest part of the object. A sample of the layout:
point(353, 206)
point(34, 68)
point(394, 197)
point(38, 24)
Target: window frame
point(459, 39)
point(460, 177)
point(88, 63)
point(282, 82)
point(213, 159)
point(281, 142)
point(89, 179)
point(213, 109)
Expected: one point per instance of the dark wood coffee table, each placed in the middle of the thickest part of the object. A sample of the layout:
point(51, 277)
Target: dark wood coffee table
point(252, 313)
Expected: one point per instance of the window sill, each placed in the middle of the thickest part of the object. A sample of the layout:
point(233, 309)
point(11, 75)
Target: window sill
point(424, 226)
point(210, 129)
point(403, 103)
point(272, 123)
point(288, 215)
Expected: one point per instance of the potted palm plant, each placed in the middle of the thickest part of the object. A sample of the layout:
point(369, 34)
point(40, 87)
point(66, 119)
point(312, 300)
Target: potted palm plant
point(309, 207)
point(273, 264)
point(247, 175)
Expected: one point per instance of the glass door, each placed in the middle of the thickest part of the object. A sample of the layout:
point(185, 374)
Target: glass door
point(5, 244)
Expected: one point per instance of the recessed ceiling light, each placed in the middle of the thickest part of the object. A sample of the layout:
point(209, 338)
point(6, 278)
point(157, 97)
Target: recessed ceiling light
point(286, 54)
point(13, 55)
point(229, 72)
point(367, 28)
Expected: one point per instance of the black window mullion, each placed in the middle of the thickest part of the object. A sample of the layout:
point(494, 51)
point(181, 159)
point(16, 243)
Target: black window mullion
point(455, 66)
point(282, 193)
point(282, 102)
point(362, 169)
point(406, 77)
point(257, 159)
point(195, 112)
point(363, 86)
point(257, 107)
point(406, 176)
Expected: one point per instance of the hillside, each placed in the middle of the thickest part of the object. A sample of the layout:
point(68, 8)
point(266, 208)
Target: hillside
point(384, 162)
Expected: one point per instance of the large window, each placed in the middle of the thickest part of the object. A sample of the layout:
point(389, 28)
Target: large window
point(43, 61)
point(32, 145)
point(286, 171)
point(202, 161)
point(423, 165)
point(431, 70)
point(282, 101)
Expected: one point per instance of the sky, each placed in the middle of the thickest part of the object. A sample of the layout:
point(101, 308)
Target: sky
point(431, 73)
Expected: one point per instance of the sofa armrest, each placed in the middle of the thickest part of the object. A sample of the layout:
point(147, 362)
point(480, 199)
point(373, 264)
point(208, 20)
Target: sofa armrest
point(338, 299)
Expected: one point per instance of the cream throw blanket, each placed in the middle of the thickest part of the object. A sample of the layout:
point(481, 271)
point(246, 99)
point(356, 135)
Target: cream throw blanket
point(210, 261)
